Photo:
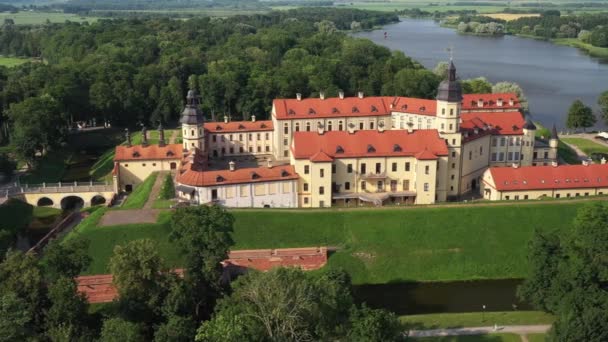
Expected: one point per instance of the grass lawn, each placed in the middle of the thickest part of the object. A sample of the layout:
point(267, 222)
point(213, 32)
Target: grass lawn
point(537, 337)
point(586, 145)
point(10, 62)
point(384, 245)
point(475, 319)
point(33, 18)
point(46, 212)
point(566, 153)
point(594, 51)
point(472, 338)
point(140, 194)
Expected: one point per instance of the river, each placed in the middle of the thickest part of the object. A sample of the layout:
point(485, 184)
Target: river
point(551, 76)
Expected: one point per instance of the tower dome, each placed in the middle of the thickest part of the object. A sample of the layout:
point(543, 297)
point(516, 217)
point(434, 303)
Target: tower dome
point(450, 90)
point(192, 114)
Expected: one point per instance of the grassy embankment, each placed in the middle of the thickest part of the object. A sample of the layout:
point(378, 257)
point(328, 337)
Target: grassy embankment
point(166, 197)
point(593, 51)
point(37, 18)
point(587, 146)
point(377, 246)
point(565, 152)
point(140, 194)
point(10, 62)
point(475, 319)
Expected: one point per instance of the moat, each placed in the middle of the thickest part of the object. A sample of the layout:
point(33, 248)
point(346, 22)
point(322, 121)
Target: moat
point(552, 76)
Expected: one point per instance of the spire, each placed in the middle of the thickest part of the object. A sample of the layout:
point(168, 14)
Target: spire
point(161, 135)
point(128, 136)
point(529, 125)
point(192, 114)
point(450, 90)
point(144, 136)
point(554, 133)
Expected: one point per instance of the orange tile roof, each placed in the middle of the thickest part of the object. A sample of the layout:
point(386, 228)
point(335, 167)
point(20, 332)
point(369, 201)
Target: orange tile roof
point(320, 157)
point(311, 108)
point(414, 105)
point(368, 143)
point(150, 152)
point(550, 177)
point(238, 126)
point(490, 101)
point(194, 176)
point(500, 123)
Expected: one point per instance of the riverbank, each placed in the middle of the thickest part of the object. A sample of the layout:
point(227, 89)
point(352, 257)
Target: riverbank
point(593, 51)
point(470, 319)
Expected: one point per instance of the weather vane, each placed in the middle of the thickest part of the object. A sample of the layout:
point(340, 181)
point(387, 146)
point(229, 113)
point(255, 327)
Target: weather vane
point(450, 50)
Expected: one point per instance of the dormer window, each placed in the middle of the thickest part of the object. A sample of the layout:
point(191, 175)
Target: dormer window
point(291, 112)
point(480, 103)
point(422, 109)
point(254, 175)
point(515, 128)
point(397, 148)
point(170, 154)
point(335, 110)
point(339, 149)
point(241, 126)
point(374, 109)
point(136, 154)
point(218, 127)
point(355, 110)
point(404, 107)
point(219, 179)
point(371, 149)
point(263, 125)
point(311, 111)
point(284, 173)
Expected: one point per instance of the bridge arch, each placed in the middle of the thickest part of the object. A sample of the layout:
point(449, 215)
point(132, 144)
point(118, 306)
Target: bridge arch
point(97, 200)
point(45, 202)
point(72, 202)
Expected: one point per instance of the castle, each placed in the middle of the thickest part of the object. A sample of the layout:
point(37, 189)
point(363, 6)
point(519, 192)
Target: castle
point(344, 151)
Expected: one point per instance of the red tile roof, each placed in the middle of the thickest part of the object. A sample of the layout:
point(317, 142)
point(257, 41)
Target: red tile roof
point(550, 177)
point(194, 176)
point(286, 109)
point(490, 101)
point(150, 152)
point(238, 126)
point(500, 123)
point(414, 105)
point(321, 157)
point(99, 288)
point(368, 143)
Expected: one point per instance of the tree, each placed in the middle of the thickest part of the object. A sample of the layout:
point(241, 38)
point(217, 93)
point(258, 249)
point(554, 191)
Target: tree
point(203, 235)
point(15, 318)
point(20, 274)
point(66, 258)
point(120, 330)
point(602, 101)
point(176, 329)
point(580, 116)
point(478, 85)
point(441, 70)
point(374, 325)
point(7, 167)
point(69, 311)
point(568, 275)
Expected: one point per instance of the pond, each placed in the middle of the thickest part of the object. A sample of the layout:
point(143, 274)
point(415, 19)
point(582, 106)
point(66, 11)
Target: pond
point(442, 297)
point(551, 76)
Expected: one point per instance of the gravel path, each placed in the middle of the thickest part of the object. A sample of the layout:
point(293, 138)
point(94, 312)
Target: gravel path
point(136, 216)
point(158, 184)
point(512, 329)
point(173, 136)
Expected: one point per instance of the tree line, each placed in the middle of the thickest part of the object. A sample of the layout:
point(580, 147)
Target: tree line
point(39, 298)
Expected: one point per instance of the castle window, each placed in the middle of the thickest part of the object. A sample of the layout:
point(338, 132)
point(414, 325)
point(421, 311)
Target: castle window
point(263, 125)
point(241, 126)
point(339, 149)
point(297, 126)
point(192, 132)
point(136, 154)
point(308, 127)
point(442, 110)
point(219, 179)
point(404, 107)
point(371, 149)
point(284, 173)
point(285, 129)
point(335, 110)
point(397, 148)
point(374, 109)
point(340, 127)
point(306, 169)
point(254, 175)
point(355, 110)
point(311, 111)
point(330, 126)
point(291, 112)
point(451, 111)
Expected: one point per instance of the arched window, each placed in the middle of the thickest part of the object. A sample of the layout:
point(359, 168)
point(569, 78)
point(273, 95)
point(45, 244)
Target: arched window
point(308, 127)
point(192, 132)
point(451, 111)
point(340, 127)
point(297, 126)
point(442, 110)
point(330, 125)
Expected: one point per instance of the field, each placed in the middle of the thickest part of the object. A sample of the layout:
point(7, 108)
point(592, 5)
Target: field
point(510, 16)
point(377, 246)
point(33, 18)
point(10, 62)
point(475, 319)
point(586, 145)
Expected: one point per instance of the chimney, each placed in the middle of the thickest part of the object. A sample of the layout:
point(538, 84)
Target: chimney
point(360, 94)
point(320, 128)
point(269, 163)
point(603, 161)
point(480, 103)
point(128, 136)
point(161, 135)
point(299, 96)
point(341, 95)
point(554, 163)
point(351, 128)
point(322, 95)
point(232, 165)
point(511, 102)
point(499, 102)
point(225, 118)
point(253, 118)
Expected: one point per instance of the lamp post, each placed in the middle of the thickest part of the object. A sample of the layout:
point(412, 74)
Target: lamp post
point(483, 313)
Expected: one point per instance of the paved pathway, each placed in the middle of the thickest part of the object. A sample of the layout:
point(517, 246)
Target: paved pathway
point(158, 184)
point(521, 330)
point(134, 216)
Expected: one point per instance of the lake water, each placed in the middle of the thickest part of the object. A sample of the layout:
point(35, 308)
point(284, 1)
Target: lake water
point(448, 297)
point(551, 76)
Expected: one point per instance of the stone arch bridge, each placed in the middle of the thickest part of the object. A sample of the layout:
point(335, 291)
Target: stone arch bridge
point(65, 195)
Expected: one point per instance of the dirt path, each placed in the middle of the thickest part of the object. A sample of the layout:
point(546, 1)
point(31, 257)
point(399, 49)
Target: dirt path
point(173, 136)
point(158, 184)
point(521, 330)
point(135, 216)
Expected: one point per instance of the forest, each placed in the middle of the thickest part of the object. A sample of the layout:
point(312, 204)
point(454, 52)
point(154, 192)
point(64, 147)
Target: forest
point(132, 71)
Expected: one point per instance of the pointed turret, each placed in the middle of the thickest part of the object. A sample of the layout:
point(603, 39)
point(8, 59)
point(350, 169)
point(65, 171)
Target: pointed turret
point(554, 133)
point(192, 115)
point(128, 136)
point(450, 89)
point(529, 125)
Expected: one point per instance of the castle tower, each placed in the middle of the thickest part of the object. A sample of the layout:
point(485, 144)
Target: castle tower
point(193, 134)
point(553, 143)
point(449, 100)
point(527, 146)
